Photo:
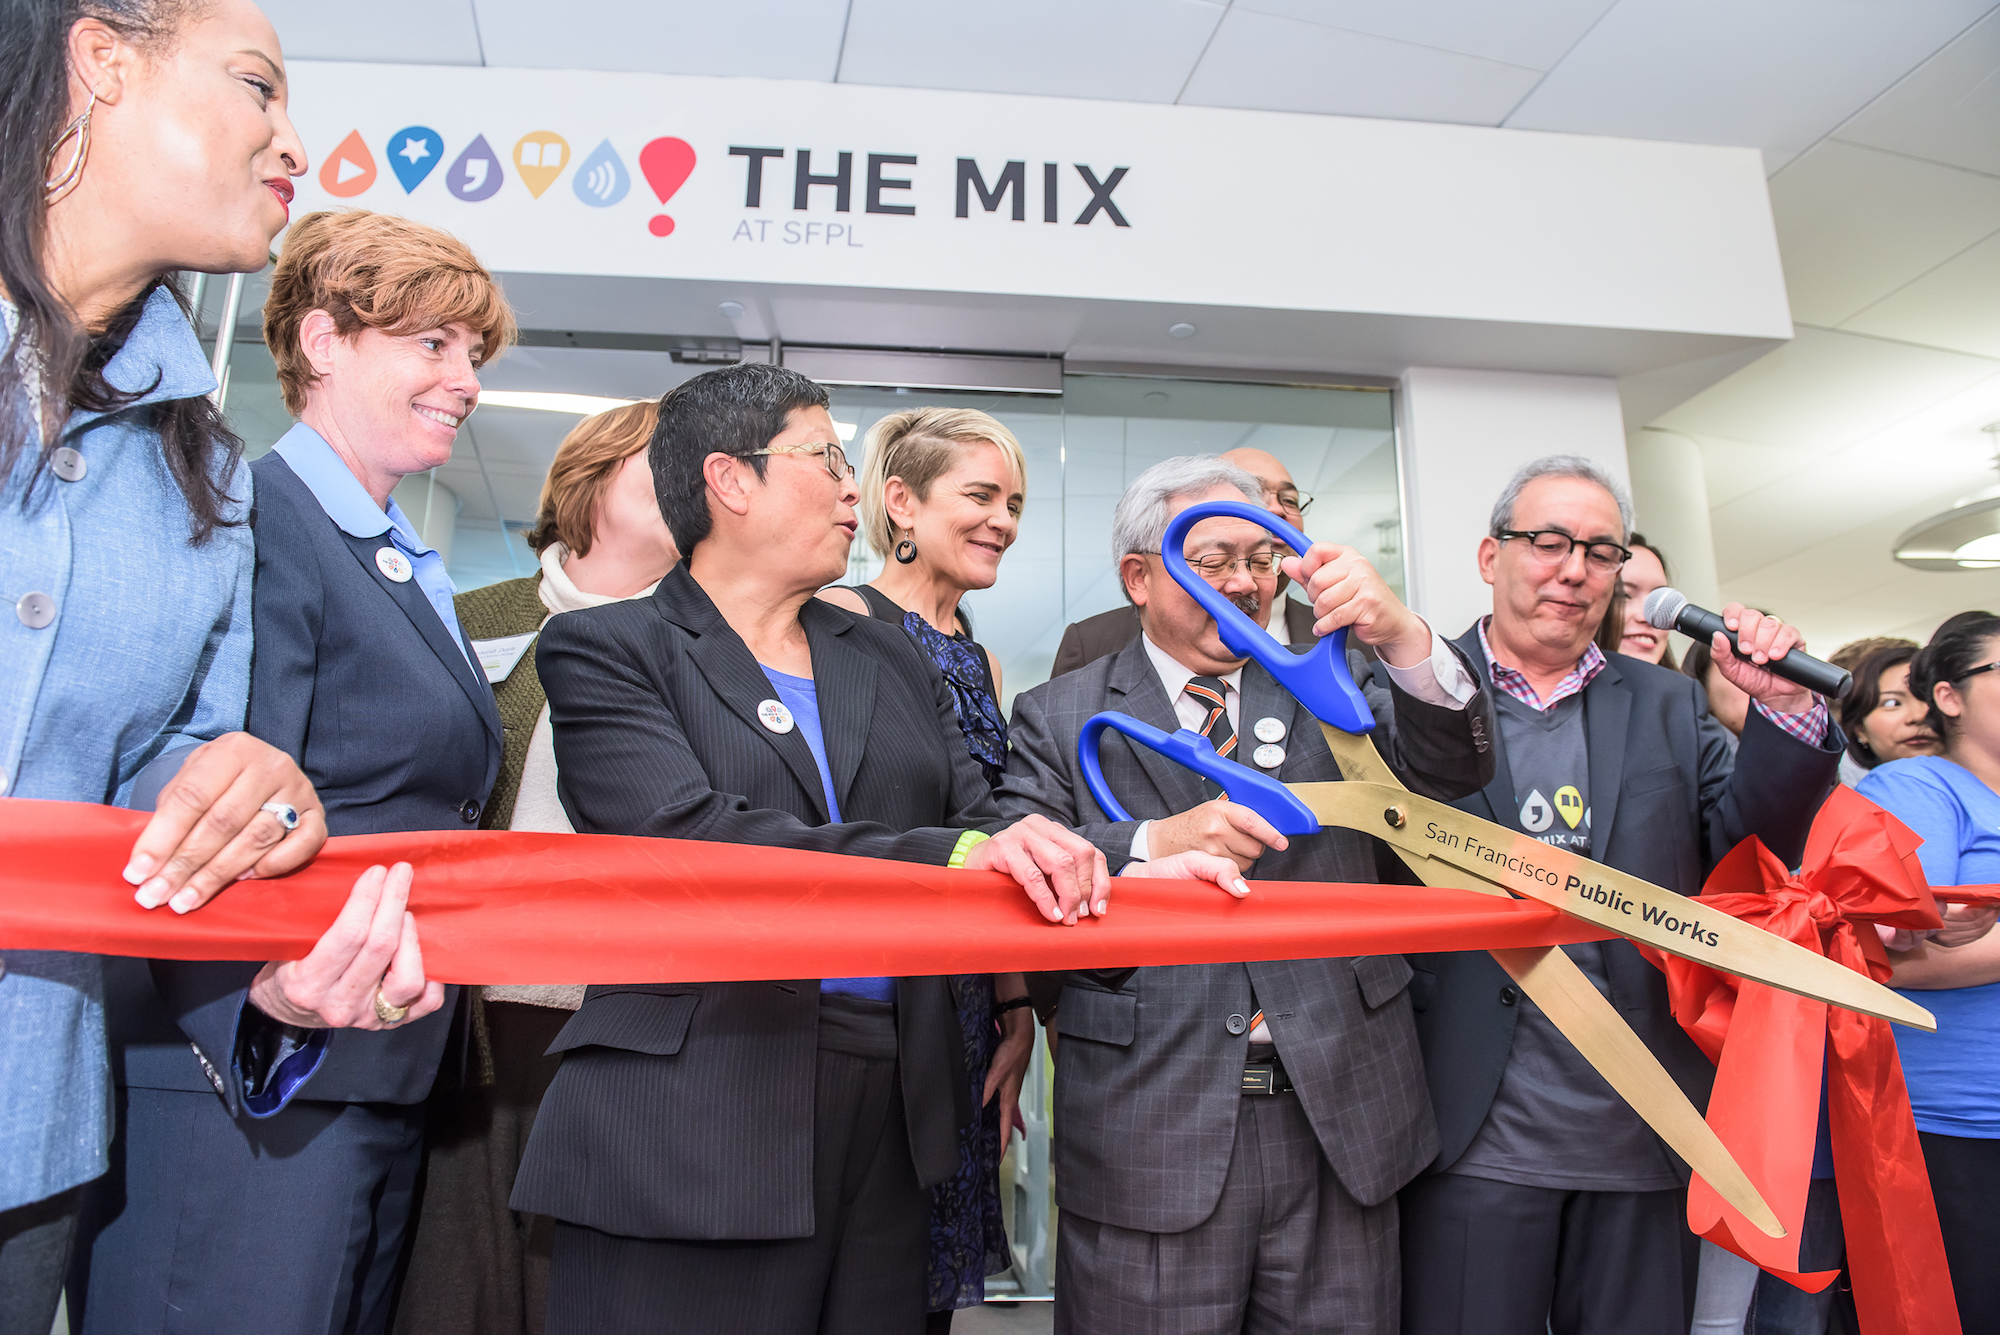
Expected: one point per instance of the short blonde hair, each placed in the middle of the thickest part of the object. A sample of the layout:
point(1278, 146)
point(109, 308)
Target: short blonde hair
point(584, 463)
point(920, 446)
point(376, 271)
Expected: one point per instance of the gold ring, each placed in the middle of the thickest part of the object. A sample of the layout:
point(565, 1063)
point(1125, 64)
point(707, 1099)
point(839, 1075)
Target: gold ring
point(386, 1013)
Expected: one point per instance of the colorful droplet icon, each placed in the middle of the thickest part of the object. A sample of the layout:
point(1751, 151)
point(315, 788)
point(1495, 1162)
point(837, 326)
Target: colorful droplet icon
point(414, 153)
point(349, 169)
point(602, 179)
point(540, 158)
point(666, 163)
point(475, 174)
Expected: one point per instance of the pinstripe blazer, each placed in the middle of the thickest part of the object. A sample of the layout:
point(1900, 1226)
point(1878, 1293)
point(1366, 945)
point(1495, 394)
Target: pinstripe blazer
point(685, 1110)
point(1148, 1076)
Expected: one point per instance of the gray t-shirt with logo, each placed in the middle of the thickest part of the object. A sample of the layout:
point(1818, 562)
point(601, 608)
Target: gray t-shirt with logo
point(1555, 1122)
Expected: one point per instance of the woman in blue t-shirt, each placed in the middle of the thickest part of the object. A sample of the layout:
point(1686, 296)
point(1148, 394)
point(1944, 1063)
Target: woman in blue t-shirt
point(1953, 801)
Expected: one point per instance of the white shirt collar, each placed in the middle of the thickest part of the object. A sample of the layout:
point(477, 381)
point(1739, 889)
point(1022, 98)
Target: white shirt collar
point(1175, 677)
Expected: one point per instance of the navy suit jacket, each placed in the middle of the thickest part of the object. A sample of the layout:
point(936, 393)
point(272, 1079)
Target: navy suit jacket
point(354, 676)
point(1668, 800)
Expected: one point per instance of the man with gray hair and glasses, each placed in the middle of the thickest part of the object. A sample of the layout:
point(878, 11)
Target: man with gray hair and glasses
point(1233, 1135)
point(1551, 1206)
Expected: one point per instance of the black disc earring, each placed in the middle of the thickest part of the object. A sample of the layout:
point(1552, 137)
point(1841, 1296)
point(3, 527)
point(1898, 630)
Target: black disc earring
point(906, 551)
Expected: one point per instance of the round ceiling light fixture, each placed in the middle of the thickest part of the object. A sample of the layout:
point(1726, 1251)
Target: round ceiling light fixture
point(1965, 537)
point(1181, 330)
point(731, 310)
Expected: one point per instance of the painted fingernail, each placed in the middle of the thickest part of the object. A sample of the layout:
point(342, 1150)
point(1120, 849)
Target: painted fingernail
point(138, 869)
point(184, 902)
point(153, 893)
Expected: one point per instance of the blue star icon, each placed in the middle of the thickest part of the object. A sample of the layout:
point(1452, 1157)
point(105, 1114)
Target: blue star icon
point(419, 155)
point(416, 150)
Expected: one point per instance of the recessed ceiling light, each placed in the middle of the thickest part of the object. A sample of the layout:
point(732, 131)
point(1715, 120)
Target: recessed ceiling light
point(732, 310)
point(580, 405)
point(1181, 330)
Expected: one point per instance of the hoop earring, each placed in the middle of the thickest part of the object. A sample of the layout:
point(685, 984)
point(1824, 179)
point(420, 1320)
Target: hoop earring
point(906, 551)
point(64, 181)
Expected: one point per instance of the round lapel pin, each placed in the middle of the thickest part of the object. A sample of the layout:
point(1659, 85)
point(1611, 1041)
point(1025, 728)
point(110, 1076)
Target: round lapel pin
point(393, 565)
point(774, 716)
point(1268, 756)
point(1269, 730)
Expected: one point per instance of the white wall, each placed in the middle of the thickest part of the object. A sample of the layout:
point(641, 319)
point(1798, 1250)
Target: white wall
point(1463, 434)
point(1670, 493)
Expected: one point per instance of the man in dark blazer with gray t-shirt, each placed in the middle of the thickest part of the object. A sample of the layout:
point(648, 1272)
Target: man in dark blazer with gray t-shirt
point(1550, 1204)
point(1232, 1136)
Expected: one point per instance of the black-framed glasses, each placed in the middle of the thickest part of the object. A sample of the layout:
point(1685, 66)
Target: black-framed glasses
point(1218, 566)
point(1975, 672)
point(1552, 546)
point(833, 456)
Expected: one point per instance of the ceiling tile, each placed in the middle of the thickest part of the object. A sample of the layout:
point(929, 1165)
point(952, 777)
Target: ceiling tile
point(1733, 468)
point(1825, 390)
point(1948, 110)
point(1534, 34)
point(439, 33)
point(1776, 75)
point(1861, 502)
point(772, 39)
point(1956, 305)
point(1122, 50)
point(1266, 63)
point(1854, 224)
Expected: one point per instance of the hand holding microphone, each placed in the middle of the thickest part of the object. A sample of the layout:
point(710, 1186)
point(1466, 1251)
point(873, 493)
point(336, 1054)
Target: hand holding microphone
point(1669, 609)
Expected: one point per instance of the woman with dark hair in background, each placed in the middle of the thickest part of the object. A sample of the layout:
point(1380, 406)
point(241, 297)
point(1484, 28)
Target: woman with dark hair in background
point(1953, 801)
point(1644, 571)
point(477, 1266)
point(1883, 718)
point(942, 491)
point(142, 137)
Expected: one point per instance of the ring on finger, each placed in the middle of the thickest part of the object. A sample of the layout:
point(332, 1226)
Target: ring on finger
point(386, 1013)
point(284, 813)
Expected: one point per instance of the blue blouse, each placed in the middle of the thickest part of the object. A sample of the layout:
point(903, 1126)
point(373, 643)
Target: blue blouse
point(1954, 1074)
point(148, 651)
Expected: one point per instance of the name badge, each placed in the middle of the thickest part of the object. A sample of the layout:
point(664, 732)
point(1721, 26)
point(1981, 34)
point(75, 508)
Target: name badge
point(774, 716)
point(393, 565)
point(500, 655)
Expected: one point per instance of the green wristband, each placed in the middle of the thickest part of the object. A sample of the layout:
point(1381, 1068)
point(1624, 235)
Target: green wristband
point(968, 841)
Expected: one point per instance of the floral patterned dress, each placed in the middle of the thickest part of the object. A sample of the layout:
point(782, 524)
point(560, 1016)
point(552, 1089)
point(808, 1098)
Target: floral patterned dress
point(968, 1240)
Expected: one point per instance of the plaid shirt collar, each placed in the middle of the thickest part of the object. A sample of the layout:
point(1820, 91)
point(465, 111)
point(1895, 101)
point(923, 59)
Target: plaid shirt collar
point(1515, 684)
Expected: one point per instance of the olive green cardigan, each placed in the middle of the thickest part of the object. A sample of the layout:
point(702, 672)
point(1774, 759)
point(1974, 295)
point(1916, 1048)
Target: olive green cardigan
point(513, 607)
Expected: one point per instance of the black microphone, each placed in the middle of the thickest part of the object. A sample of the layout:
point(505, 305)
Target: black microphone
point(1669, 609)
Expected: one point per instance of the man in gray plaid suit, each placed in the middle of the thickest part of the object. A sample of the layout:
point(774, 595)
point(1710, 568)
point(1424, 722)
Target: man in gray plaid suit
point(1230, 1137)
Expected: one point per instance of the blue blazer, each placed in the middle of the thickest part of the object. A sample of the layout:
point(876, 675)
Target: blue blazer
point(360, 681)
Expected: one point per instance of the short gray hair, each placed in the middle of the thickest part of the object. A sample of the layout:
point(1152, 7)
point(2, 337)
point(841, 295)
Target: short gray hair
point(1559, 465)
point(1140, 521)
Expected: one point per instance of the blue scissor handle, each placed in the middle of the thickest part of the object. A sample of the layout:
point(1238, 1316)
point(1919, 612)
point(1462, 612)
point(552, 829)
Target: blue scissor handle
point(1319, 680)
point(1260, 792)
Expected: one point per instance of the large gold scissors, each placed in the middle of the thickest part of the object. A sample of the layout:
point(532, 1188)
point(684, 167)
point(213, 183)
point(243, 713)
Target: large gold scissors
point(1448, 847)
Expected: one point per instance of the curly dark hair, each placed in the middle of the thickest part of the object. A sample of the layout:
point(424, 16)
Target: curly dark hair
point(200, 450)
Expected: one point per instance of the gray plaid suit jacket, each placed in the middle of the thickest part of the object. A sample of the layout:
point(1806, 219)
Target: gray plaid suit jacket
point(1148, 1078)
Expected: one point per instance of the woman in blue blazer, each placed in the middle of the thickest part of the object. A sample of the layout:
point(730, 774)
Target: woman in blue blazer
point(288, 1213)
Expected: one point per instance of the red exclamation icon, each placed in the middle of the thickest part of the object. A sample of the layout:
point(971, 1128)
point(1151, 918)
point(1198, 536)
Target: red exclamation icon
point(666, 164)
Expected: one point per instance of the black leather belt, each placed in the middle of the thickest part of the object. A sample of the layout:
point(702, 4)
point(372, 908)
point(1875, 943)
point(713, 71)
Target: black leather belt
point(1267, 1077)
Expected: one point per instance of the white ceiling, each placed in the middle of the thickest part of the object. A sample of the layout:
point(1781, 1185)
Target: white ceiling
point(1879, 123)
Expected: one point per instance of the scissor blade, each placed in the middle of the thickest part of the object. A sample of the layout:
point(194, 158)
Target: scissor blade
point(1601, 895)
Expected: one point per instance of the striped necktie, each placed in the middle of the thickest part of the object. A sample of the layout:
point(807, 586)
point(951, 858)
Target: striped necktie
point(1211, 693)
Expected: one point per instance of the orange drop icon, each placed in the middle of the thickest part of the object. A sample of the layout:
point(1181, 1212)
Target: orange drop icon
point(349, 169)
point(540, 158)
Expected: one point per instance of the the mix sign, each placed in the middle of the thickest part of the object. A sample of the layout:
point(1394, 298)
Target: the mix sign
point(601, 180)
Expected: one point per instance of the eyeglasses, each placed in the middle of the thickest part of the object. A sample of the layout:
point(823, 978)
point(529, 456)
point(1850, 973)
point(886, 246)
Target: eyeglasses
point(1217, 566)
point(835, 458)
point(1552, 546)
point(1293, 502)
point(1975, 672)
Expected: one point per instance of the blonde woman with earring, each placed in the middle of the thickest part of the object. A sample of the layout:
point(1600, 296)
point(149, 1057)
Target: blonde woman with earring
point(941, 497)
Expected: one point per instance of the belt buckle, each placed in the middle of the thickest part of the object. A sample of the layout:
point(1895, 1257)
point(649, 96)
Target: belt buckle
point(1260, 1078)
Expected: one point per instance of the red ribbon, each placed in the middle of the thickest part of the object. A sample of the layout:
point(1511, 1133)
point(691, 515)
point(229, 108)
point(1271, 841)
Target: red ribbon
point(497, 907)
point(1770, 1048)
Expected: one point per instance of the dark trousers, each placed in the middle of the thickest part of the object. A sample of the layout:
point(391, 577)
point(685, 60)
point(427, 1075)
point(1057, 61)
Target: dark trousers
point(476, 1266)
point(34, 1251)
point(1965, 1183)
point(864, 1270)
point(1286, 1250)
point(292, 1225)
point(1491, 1258)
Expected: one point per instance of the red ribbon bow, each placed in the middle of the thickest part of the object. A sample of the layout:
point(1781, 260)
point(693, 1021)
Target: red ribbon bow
point(1770, 1048)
